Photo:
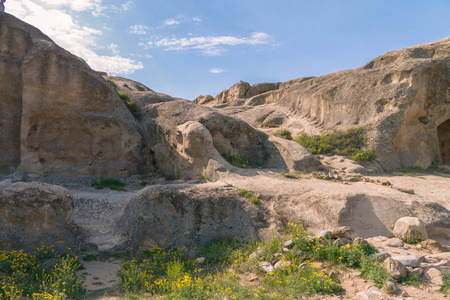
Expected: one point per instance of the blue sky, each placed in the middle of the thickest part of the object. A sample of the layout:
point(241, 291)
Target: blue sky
point(187, 48)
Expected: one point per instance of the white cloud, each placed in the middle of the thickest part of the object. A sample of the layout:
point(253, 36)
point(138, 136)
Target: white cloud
point(210, 45)
point(216, 70)
point(170, 22)
point(196, 19)
point(139, 29)
point(69, 34)
point(114, 48)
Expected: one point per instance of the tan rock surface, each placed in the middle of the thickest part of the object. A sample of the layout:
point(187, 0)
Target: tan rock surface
point(58, 116)
point(401, 98)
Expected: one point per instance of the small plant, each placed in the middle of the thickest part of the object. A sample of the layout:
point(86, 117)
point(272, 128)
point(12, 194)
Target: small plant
point(283, 133)
point(364, 155)
point(445, 287)
point(318, 175)
point(374, 271)
point(111, 183)
point(290, 175)
point(206, 177)
point(236, 160)
point(201, 120)
point(129, 102)
point(270, 125)
point(249, 196)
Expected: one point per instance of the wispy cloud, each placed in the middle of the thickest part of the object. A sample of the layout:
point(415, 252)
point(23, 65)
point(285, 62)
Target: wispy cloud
point(170, 22)
point(180, 19)
point(97, 7)
point(216, 70)
point(114, 48)
point(69, 34)
point(210, 45)
point(139, 29)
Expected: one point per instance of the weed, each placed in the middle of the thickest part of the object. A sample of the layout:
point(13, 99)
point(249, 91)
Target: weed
point(374, 271)
point(270, 125)
point(249, 196)
point(237, 161)
point(111, 183)
point(318, 175)
point(445, 287)
point(131, 104)
point(349, 143)
point(283, 133)
point(290, 175)
point(90, 257)
point(201, 120)
point(206, 177)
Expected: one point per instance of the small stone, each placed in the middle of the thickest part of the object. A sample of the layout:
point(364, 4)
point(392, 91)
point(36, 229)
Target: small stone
point(408, 191)
point(394, 242)
point(266, 266)
point(282, 264)
point(386, 183)
point(434, 275)
point(289, 244)
point(344, 232)
point(381, 256)
point(302, 265)
point(200, 260)
point(404, 294)
point(325, 234)
point(408, 260)
point(395, 268)
point(285, 250)
point(416, 271)
point(342, 242)
point(300, 253)
point(375, 290)
point(253, 278)
point(359, 241)
point(390, 287)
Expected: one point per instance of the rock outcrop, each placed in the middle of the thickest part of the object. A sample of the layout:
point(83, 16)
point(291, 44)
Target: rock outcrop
point(402, 98)
point(183, 137)
point(34, 214)
point(189, 215)
point(58, 116)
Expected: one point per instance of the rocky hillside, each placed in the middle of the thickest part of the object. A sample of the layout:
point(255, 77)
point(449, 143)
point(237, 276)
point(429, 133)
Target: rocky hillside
point(402, 98)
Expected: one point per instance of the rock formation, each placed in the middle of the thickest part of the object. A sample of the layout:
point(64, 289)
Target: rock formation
point(34, 214)
point(58, 116)
point(402, 98)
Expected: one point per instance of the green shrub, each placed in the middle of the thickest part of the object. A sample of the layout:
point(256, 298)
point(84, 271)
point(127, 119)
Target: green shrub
point(201, 120)
point(237, 161)
point(374, 271)
point(131, 104)
point(349, 143)
point(24, 275)
point(110, 183)
point(249, 196)
point(283, 133)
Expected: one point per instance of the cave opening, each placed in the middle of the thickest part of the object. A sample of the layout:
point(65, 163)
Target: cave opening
point(443, 131)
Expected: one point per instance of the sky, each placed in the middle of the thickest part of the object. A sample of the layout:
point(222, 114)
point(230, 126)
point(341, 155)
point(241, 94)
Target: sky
point(187, 48)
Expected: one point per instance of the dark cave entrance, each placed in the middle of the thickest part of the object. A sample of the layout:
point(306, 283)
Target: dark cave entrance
point(443, 132)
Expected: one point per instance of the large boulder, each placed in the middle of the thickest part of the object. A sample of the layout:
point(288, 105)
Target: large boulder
point(35, 214)
point(189, 215)
point(410, 230)
point(58, 116)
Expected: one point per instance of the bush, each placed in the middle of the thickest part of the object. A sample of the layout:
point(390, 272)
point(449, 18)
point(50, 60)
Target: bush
point(237, 161)
point(249, 196)
point(110, 183)
point(131, 105)
point(349, 143)
point(283, 133)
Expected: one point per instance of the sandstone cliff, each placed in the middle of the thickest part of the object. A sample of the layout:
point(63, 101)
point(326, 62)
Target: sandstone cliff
point(57, 115)
point(402, 98)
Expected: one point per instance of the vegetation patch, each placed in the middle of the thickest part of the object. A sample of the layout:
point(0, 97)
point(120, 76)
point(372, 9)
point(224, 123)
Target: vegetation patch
point(237, 161)
point(409, 171)
point(28, 275)
point(110, 183)
point(129, 102)
point(249, 196)
point(348, 143)
point(283, 133)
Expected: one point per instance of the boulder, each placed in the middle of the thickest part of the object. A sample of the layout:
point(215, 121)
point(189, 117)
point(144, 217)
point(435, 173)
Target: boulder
point(395, 268)
point(35, 214)
point(410, 229)
point(408, 260)
point(266, 266)
point(434, 275)
point(394, 242)
point(203, 99)
point(58, 116)
point(344, 232)
point(183, 215)
point(235, 92)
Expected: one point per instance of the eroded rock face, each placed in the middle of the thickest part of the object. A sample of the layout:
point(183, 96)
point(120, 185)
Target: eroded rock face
point(33, 214)
point(188, 215)
point(401, 98)
point(183, 137)
point(57, 116)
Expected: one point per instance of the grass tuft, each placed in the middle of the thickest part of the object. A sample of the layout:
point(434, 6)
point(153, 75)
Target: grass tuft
point(110, 183)
point(283, 133)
